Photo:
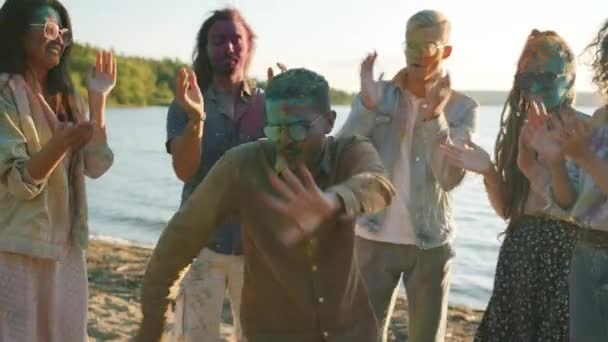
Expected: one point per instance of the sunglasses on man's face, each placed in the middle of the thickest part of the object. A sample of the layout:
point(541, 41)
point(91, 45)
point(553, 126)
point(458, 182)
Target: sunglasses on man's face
point(297, 131)
point(52, 30)
point(525, 80)
point(424, 49)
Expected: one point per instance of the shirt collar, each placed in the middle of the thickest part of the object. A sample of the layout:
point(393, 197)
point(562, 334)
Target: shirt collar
point(400, 79)
point(211, 93)
point(326, 158)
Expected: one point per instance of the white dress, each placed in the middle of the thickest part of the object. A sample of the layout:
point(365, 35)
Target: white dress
point(45, 300)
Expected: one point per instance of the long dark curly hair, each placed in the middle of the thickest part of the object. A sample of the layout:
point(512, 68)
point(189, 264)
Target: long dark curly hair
point(599, 51)
point(514, 186)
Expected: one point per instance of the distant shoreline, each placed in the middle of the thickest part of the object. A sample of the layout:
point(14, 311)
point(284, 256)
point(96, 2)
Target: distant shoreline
point(499, 97)
point(151, 82)
point(483, 97)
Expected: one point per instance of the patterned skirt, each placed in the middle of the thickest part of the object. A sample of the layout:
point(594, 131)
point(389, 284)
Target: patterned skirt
point(530, 297)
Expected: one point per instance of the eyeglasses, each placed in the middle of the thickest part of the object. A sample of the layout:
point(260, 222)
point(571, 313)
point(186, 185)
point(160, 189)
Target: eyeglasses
point(525, 80)
point(297, 131)
point(52, 31)
point(427, 49)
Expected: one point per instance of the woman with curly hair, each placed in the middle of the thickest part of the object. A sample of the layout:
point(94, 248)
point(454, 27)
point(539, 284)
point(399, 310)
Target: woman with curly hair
point(599, 52)
point(530, 297)
point(587, 147)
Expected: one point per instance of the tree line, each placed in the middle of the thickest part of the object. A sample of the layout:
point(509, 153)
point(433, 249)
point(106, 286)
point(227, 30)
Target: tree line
point(145, 81)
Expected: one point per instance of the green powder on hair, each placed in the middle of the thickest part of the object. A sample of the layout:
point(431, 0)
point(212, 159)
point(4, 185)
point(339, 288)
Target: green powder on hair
point(300, 84)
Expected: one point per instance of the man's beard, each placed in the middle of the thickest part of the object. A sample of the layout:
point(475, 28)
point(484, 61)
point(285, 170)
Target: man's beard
point(227, 67)
point(225, 70)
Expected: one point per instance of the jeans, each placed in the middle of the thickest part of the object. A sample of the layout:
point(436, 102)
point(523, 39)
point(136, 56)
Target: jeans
point(589, 292)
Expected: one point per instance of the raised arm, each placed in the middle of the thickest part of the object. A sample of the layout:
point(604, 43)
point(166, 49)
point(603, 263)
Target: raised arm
point(544, 141)
point(437, 132)
point(23, 172)
point(98, 157)
point(474, 158)
point(588, 148)
point(362, 115)
point(185, 123)
point(43, 162)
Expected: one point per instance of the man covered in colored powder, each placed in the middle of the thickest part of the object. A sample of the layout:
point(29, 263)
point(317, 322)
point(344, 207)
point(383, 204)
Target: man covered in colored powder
point(297, 195)
point(407, 119)
point(215, 109)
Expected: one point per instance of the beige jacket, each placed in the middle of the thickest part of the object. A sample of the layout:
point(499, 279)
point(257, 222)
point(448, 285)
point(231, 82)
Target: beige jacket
point(36, 218)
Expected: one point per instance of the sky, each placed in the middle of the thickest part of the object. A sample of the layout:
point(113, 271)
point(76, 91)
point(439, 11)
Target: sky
point(331, 37)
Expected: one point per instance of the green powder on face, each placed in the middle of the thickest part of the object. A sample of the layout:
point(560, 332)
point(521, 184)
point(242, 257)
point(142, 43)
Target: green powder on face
point(278, 111)
point(283, 113)
point(290, 95)
point(45, 13)
point(549, 60)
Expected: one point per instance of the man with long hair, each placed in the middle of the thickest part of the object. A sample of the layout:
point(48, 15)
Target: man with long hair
point(215, 109)
point(407, 119)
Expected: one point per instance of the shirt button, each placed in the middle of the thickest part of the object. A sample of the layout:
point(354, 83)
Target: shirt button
point(417, 159)
point(325, 334)
point(314, 268)
point(321, 300)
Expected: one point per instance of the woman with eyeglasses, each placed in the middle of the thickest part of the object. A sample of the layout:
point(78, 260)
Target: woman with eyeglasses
point(530, 297)
point(48, 144)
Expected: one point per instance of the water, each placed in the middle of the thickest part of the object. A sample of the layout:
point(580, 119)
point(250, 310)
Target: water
point(136, 198)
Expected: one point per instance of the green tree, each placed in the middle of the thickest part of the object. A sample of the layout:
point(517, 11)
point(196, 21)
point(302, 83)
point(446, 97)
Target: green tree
point(144, 81)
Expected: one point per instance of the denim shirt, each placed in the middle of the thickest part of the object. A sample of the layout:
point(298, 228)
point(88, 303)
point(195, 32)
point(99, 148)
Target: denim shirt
point(431, 177)
point(220, 133)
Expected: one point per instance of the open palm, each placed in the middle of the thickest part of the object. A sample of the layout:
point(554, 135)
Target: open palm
point(189, 95)
point(371, 90)
point(270, 73)
point(471, 157)
point(438, 95)
point(537, 135)
point(302, 202)
point(102, 78)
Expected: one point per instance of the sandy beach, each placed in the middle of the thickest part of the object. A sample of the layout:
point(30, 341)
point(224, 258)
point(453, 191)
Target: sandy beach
point(115, 274)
